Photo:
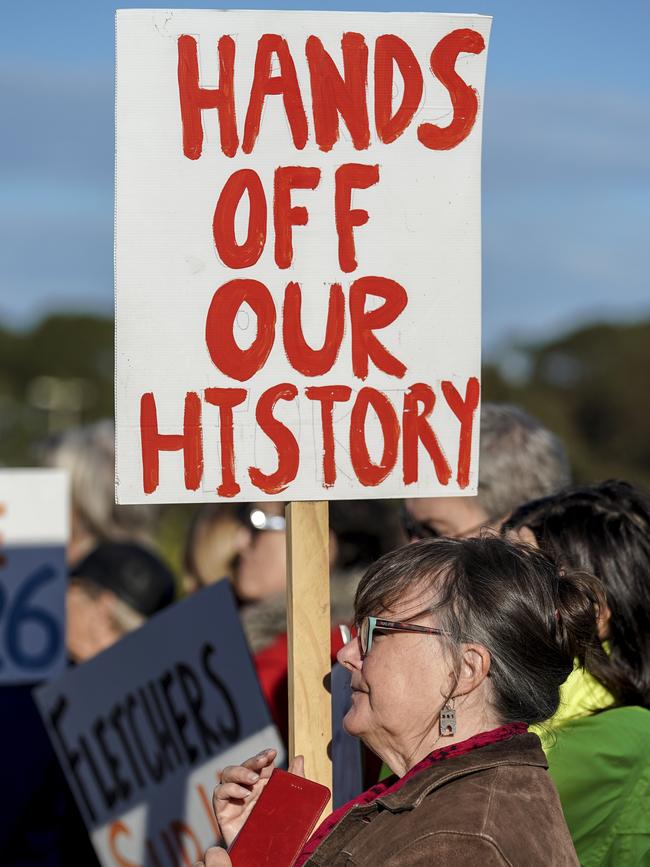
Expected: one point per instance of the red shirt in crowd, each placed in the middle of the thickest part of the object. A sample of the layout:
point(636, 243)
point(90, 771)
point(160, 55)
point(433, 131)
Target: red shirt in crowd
point(271, 664)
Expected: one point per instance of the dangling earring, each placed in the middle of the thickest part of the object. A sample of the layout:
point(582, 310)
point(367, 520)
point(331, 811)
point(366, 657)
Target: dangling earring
point(448, 719)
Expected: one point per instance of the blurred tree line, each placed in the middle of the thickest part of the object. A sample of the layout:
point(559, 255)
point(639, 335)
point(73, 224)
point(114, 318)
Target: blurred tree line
point(586, 386)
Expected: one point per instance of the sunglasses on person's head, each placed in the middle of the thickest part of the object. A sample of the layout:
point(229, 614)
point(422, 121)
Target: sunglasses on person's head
point(371, 625)
point(416, 530)
point(256, 519)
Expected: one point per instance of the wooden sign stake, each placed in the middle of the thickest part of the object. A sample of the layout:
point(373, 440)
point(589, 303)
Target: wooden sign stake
point(308, 623)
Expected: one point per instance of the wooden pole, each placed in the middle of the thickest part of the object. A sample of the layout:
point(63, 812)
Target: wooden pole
point(308, 623)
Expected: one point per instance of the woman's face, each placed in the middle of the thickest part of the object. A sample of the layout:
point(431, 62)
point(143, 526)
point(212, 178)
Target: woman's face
point(400, 687)
point(262, 568)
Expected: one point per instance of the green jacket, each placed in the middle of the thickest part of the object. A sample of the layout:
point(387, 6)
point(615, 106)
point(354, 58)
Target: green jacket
point(600, 764)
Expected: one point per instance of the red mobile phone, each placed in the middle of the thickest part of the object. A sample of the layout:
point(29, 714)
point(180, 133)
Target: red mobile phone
point(280, 823)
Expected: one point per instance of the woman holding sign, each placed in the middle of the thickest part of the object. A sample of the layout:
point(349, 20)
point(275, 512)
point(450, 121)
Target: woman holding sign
point(461, 645)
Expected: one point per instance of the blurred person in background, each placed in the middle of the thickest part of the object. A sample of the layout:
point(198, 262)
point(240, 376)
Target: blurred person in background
point(360, 531)
point(112, 592)
point(260, 573)
point(598, 746)
point(245, 543)
point(519, 460)
point(88, 454)
point(215, 539)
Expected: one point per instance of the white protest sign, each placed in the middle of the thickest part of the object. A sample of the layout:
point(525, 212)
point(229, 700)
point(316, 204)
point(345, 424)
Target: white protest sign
point(298, 257)
point(34, 515)
point(141, 730)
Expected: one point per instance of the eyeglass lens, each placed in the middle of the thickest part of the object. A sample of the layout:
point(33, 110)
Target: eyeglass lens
point(364, 629)
point(417, 529)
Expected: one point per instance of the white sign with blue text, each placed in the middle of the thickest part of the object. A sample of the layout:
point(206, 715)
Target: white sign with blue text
point(33, 535)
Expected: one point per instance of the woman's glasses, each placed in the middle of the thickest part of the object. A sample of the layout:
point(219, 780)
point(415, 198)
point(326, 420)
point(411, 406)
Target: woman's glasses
point(370, 625)
point(416, 530)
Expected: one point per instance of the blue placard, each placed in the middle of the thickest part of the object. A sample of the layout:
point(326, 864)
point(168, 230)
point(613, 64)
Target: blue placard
point(141, 729)
point(32, 613)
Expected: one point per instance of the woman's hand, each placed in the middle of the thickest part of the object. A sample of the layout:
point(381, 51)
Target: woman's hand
point(215, 857)
point(238, 791)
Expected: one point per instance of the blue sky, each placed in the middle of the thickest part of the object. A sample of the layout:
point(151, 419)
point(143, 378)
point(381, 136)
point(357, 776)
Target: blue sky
point(566, 189)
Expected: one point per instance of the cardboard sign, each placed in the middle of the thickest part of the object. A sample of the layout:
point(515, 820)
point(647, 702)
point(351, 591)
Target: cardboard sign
point(34, 515)
point(297, 254)
point(142, 729)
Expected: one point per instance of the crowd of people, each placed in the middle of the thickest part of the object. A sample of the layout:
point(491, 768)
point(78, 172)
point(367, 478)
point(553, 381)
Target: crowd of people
point(499, 658)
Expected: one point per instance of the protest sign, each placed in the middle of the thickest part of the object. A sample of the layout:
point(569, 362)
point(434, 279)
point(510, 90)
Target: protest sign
point(34, 513)
point(297, 254)
point(142, 729)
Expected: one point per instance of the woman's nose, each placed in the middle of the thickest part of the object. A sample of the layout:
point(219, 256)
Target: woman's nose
point(350, 655)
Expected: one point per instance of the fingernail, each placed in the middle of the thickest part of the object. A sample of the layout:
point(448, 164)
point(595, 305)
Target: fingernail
point(253, 777)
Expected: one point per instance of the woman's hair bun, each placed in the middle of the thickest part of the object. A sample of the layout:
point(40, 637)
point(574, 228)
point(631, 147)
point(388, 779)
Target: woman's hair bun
point(580, 600)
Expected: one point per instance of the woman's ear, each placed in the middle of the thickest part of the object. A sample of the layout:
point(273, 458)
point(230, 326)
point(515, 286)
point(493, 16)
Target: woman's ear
point(604, 616)
point(474, 668)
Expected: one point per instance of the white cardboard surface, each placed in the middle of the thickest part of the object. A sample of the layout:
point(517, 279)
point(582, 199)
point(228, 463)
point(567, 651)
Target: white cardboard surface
point(423, 231)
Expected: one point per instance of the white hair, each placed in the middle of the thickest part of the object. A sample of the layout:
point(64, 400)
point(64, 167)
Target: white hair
point(520, 460)
point(88, 453)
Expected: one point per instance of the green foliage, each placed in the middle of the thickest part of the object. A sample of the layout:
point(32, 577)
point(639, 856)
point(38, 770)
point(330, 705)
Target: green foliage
point(55, 376)
point(588, 387)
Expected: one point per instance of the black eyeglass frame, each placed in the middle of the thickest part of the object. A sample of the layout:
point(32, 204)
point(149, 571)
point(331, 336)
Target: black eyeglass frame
point(416, 530)
point(419, 530)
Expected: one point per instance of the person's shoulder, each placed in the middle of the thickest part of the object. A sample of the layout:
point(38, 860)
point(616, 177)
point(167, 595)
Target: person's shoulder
point(489, 794)
point(453, 848)
point(509, 805)
point(631, 715)
point(615, 724)
point(601, 766)
point(612, 745)
point(625, 713)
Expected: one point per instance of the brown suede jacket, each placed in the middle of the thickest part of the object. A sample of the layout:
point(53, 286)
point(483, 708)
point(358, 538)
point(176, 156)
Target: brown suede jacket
point(492, 807)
